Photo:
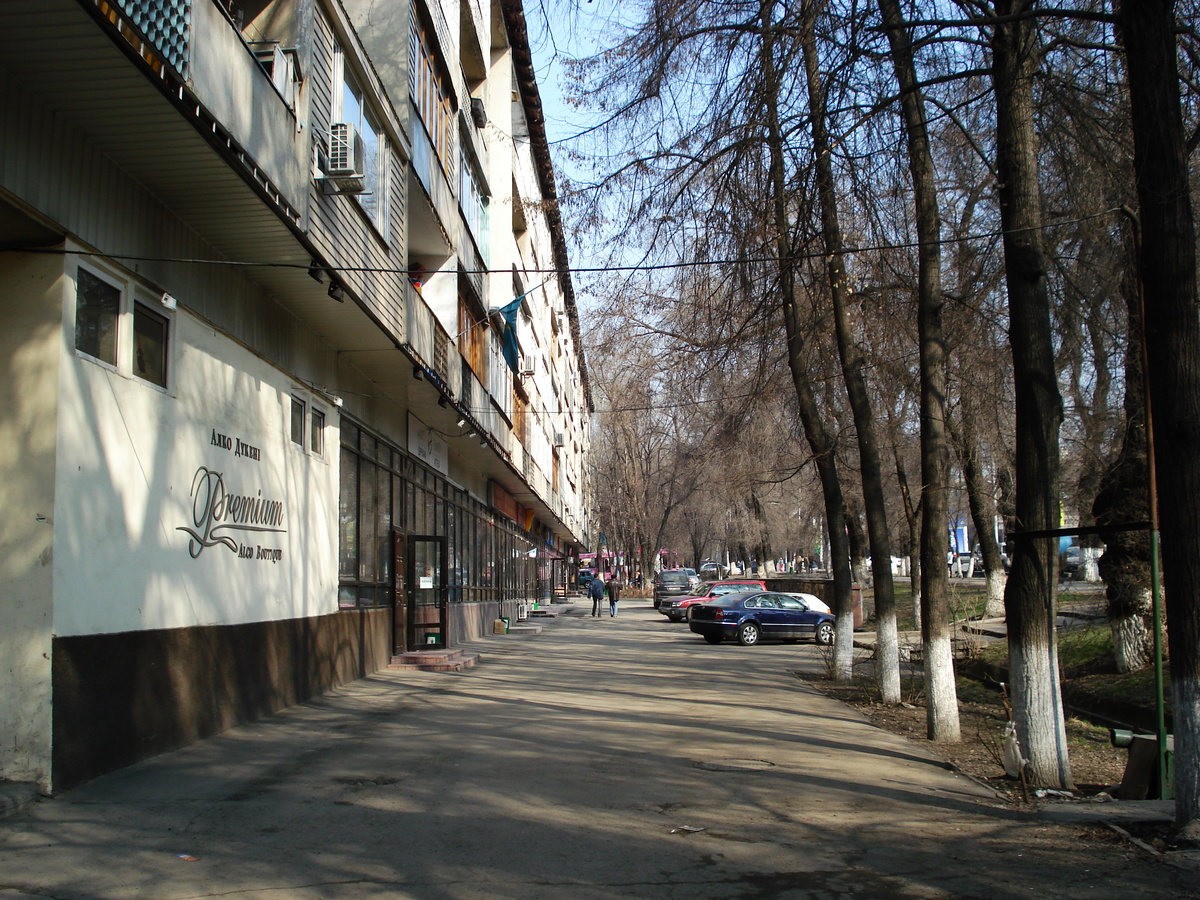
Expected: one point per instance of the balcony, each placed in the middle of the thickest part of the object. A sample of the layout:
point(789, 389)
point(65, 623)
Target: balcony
point(164, 24)
point(229, 79)
point(431, 176)
point(448, 371)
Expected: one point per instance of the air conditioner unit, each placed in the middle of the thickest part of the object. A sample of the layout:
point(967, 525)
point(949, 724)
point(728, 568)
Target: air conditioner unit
point(558, 439)
point(345, 158)
point(526, 366)
point(345, 150)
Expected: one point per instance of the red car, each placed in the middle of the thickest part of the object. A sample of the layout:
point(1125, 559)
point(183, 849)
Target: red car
point(676, 608)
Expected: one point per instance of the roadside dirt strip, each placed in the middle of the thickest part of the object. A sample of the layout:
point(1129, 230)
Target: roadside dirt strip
point(603, 758)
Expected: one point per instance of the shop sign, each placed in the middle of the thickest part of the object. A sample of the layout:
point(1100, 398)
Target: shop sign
point(235, 520)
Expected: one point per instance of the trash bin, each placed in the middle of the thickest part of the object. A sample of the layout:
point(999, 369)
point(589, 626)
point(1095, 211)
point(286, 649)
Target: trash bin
point(507, 623)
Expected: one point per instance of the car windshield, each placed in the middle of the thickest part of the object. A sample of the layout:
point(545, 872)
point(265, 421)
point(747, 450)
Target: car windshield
point(673, 578)
point(720, 589)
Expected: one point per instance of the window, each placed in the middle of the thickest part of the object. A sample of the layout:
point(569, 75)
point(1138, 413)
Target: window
point(298, 421)
point(428, 94)
point(353, 109)
point(474, 204)
point(97, 309)
point(132, 336)
point(149, 345)
point(307, 422)
point(383, 489)
point(472, 336)
point(317, 440)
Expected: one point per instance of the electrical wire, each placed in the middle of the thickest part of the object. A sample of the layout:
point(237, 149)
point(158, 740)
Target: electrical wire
point(641, 267)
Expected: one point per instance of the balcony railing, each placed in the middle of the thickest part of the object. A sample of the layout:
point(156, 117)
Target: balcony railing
point(434, 347)
point(430, 342)
point(431, 175)
point(165, 25)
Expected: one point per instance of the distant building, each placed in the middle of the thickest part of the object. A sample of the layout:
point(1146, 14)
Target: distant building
point(273, 415)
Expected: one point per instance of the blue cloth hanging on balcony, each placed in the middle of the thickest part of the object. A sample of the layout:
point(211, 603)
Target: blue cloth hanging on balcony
point(508, 337)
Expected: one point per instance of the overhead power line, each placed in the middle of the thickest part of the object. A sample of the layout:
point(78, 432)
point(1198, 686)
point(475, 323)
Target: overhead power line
point(639, 267)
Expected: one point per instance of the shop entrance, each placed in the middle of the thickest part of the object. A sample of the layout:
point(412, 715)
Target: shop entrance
point(427, 620)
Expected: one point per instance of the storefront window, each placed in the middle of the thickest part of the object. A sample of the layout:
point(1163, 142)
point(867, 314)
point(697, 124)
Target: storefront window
point(381, 490)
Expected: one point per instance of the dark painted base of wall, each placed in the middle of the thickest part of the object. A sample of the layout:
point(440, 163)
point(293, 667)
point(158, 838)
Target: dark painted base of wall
point(472, 621)
point(119, 698)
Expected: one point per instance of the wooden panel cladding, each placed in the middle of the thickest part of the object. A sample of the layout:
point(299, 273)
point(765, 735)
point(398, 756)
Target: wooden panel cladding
point(368, 259)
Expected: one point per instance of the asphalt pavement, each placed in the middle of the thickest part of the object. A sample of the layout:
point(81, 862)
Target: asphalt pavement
point(601, 758)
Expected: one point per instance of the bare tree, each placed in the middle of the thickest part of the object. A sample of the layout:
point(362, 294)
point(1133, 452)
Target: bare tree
point(1030, 592)
point(1124, 499)
point(853, 362)
point(1169, 286)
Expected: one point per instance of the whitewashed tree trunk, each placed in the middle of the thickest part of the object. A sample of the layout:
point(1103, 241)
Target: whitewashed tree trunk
point(996, 580)
point(1030, 592)
point(942, 704)
point(1133, 638)
point(1037, 704)
point(939, 682)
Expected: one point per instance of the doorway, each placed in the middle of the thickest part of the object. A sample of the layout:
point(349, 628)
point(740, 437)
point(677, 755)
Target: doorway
point(426, 619)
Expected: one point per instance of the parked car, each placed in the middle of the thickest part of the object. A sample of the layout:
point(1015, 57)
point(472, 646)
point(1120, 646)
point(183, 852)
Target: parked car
point(671, 583)
point(693, 577)
point(712, 570)
point(812, 601)
point(1070, 564)
point(750, 618)
point(675, 608)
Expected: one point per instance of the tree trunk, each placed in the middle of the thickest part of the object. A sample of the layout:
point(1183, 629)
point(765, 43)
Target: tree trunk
point(1030, 595)
point(859, 549)
point(820, 441)
point(967, 451)
point(942, 709)
point(1168, 273)
point(887, 655)
point(912, 517)
point(1124, 498)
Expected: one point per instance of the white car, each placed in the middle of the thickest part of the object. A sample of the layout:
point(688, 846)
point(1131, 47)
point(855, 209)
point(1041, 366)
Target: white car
point(816, 604)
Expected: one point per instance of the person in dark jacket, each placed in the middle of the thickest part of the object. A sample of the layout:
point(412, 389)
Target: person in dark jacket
point(596, 592)
point(614, 594)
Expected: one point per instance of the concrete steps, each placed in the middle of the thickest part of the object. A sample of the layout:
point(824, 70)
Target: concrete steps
point(451, 660)
point(524, 629)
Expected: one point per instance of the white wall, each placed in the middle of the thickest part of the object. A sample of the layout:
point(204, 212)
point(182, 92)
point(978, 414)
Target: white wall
point(229, 81)
point(29, 364)
point(135, 464)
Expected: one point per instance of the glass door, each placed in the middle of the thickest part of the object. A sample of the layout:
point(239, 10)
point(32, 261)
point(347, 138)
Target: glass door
point(399, 592)
point(428, 606)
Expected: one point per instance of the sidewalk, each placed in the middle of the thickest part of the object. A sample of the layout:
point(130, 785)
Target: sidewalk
point(603, 758)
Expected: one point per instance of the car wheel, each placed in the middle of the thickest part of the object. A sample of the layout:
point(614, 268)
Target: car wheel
point(748, 634)
point(824, 633)
point(713, 638)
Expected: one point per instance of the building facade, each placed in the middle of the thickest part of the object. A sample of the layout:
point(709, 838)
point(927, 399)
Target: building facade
point(292, 355)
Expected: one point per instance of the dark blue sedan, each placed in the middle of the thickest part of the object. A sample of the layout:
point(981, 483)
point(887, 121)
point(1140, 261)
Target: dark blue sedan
point(763, 615)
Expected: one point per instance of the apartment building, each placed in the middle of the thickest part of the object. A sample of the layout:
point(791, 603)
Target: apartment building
point(293, 359)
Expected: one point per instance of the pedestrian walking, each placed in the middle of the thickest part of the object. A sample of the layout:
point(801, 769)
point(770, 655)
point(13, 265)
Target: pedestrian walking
point(614, 595)
point(596, 592)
